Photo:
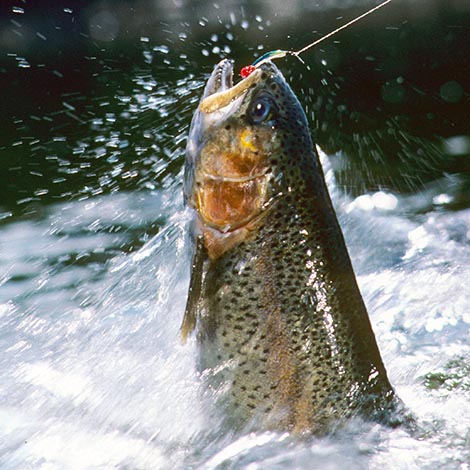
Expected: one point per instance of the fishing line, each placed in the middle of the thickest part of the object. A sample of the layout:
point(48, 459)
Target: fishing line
point(279, 53)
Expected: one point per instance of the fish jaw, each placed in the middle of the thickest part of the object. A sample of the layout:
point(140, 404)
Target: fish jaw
point(227, 170)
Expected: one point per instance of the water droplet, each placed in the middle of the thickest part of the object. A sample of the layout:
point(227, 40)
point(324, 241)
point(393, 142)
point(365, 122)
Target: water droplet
point(451, 91)
point(163, 49)
point(18, 10)
point(23, 63)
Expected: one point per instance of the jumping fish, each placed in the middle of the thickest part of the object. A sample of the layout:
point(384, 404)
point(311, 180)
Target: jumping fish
point(281, 324)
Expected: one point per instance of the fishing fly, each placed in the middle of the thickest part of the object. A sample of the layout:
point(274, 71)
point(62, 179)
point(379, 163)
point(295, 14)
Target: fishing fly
point(280, 53)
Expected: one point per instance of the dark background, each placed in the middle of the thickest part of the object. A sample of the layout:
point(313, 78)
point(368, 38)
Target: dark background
point(388, 98)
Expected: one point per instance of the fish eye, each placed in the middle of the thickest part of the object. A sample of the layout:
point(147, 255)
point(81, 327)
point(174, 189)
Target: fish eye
point(260, 110)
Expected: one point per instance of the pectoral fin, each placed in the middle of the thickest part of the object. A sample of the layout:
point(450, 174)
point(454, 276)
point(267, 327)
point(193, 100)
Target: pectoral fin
point(195, 289)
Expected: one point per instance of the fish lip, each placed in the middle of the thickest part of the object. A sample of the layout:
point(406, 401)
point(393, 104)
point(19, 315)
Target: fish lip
point(221, 78)
point(220, 92)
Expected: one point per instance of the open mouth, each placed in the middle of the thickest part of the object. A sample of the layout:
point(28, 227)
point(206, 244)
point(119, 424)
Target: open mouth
point(221, 78)
point(231, 172)
point(220, 91)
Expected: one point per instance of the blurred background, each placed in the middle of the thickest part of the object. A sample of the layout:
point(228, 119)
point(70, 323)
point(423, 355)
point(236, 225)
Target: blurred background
point(387, 98)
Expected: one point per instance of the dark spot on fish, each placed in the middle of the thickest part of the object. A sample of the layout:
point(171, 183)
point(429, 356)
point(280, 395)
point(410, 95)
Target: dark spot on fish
point(251, 315)
point(264, 76)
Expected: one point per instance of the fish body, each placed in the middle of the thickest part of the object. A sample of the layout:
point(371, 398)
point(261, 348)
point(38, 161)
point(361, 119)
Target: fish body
point(281, 324)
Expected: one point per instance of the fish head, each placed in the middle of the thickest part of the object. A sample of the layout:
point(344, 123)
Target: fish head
point(238, 141)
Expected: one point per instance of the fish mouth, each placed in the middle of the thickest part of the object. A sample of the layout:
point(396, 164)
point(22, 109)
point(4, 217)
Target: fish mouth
point(227, 173)
point(220, 90)
point(221, 78)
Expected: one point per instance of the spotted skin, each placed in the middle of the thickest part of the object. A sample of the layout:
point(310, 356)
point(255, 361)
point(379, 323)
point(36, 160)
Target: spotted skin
point(281, 324)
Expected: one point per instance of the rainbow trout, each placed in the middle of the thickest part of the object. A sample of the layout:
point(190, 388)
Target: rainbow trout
point(281, 324)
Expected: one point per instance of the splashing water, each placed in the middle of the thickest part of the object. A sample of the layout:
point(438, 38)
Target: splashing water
point(93, 374)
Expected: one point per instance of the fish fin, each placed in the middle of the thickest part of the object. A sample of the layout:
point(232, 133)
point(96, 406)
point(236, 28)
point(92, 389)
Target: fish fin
point(194, 293)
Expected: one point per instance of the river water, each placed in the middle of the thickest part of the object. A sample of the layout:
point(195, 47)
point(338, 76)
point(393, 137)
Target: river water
point(93, 284)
